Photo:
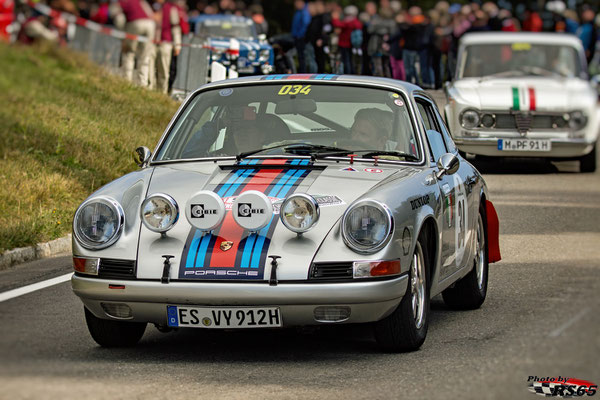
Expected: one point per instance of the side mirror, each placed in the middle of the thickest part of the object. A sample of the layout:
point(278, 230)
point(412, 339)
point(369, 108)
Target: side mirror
point(448, 164)
point(141, 156)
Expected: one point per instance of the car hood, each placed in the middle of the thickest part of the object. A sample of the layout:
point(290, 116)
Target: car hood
point(225, 42)
point(334, 186)
point(532, 93)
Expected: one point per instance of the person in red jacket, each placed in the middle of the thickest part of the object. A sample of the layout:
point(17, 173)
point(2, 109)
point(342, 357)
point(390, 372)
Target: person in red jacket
point(349, 24)
point(7, 8)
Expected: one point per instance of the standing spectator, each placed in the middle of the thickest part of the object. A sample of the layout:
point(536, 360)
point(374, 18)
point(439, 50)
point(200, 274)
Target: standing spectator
point(366, 18)
point(587, 33)
point(532, 21)
point(100, 13)
point(417, 39)
point(170, 43)
point(185, 30)
point(314, 40)
point(381, 28)
point(136, 17)
point(257, 15)
point(348, 26)
point(300, 23)
point(396, 44)
point(492, 11)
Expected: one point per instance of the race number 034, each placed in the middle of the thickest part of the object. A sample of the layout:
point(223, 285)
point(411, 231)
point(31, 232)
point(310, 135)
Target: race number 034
point(294, 89)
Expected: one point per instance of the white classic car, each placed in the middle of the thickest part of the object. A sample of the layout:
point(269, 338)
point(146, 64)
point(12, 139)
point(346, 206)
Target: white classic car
point(523, 95)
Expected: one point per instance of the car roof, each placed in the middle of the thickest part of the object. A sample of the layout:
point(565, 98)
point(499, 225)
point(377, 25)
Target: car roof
point(511, 37)
point(406, 87)
point(219, 17)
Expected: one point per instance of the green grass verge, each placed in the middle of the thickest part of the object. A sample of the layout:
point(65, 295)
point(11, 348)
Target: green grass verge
point(67, 127)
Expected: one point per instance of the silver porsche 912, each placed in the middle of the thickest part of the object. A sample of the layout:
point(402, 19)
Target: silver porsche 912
point(288, 200)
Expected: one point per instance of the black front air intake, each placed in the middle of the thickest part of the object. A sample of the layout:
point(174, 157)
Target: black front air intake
point(116, 269)
point(331, 271)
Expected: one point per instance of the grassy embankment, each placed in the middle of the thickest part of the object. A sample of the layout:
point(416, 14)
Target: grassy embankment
point(66, 128)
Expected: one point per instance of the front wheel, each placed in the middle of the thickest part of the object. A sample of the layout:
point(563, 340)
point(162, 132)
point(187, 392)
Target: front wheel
point(109, 333)
point(406, 328)
point(469, 293)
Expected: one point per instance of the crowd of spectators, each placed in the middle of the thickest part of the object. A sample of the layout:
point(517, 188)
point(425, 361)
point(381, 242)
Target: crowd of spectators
point(416, 45)
point(382, 39)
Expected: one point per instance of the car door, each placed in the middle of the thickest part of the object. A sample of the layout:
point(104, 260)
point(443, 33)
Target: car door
point(456, 221)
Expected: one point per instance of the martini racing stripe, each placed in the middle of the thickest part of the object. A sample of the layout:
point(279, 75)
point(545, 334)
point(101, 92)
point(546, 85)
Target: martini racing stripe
point(247, 251)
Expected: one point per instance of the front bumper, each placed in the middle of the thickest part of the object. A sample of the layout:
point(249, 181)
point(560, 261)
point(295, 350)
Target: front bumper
point(369, 301)
point(561, 147)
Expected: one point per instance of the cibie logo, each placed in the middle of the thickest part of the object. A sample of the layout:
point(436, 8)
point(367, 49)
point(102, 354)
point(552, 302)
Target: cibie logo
point(561, 386)
point(198, 211)
point(246, 210)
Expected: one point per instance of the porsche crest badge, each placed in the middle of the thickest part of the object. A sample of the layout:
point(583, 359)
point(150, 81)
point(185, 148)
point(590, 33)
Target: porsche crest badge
point(226, 245)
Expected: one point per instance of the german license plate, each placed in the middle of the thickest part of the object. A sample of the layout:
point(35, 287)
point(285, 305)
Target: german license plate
point(524, 145)
point(223, 318)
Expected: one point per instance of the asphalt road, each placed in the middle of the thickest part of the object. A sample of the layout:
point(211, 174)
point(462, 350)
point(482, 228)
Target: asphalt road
point(540, 319)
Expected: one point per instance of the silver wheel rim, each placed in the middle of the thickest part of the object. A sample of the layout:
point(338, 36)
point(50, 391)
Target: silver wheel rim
point(417, 286)
point(480, 254)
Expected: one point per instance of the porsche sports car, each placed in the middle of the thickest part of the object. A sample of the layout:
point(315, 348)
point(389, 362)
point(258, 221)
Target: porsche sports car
point(523, 95)
point(285, 201)
point(233, 42)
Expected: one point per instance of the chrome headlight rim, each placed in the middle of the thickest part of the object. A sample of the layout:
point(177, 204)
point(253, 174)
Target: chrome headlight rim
point(173, 205)
point(573, 116)
point(116, 207)
point(252, 54)
point(264, 55)
point(309, 199)
point(461, 118)
point(357, 247)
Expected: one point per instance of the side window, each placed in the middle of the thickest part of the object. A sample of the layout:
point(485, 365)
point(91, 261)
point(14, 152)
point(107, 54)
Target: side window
point(434, 137)
point(445, 133)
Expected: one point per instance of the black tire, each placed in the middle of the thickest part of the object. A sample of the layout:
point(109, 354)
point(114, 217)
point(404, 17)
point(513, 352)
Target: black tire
point(403, 330)
point(109, 333)
point(469, 293)
point(587, 163)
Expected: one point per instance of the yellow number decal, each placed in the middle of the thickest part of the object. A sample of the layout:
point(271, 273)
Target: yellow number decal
point(521, 46)
point(285, 89)
point(305, 89)
point(294, 89)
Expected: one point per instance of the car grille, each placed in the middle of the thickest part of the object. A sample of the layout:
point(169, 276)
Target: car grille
point(118, 269)
point(331, 271)
point(509, 121)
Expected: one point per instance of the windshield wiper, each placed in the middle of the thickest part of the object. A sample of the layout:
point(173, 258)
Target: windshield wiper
point(295, 148)
point(394, 153)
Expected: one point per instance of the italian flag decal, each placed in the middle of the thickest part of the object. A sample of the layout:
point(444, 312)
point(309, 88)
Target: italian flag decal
point(523, 98)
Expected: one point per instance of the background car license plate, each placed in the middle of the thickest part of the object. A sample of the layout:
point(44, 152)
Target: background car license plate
point(524, 145)
point(213, 317)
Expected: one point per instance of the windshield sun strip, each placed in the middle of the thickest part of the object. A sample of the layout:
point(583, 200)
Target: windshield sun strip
point(371, 85)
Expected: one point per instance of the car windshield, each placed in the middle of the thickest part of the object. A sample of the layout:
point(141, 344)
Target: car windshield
point(293, 119)
point(226, 28)
point(519, 59)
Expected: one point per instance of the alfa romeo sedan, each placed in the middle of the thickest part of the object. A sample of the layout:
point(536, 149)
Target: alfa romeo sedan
point(285, 201)
point(524, 95)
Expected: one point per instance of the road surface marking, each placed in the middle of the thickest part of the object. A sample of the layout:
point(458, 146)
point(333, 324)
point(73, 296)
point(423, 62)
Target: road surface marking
point(567, 324)
point(11, 294)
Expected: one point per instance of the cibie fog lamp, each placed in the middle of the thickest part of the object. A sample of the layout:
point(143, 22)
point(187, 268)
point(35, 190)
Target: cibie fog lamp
point(159, 212)
point(299, 212)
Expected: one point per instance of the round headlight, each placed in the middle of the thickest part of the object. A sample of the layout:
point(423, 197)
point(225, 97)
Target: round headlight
point(488, 120)
point(264, 55)
point(469, 119)
point(159, 212)
point(299, 212)
point(251, 55)
point(367, 226)
point(577, 120)
point(98, 223)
